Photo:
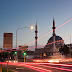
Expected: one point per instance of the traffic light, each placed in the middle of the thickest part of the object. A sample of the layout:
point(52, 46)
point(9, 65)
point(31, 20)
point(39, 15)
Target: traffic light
point(15, 52)
point(24, 53)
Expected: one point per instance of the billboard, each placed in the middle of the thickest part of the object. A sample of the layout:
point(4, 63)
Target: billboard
point(8, 40)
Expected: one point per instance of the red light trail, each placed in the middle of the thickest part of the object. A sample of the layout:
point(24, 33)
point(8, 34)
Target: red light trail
point(56, 68)
point(38, 46)
point(50, 31)
point(28, 66)
point(49, 43)
point(41, 67)
point(46, 34)
point(64, 65)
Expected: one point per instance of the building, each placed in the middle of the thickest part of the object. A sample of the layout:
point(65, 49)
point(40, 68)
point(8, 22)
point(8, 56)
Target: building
point(53, 44)
point(8, 40)
point(58, 43)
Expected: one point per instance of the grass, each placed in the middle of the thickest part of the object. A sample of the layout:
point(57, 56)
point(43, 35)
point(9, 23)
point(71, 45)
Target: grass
point(5, 70)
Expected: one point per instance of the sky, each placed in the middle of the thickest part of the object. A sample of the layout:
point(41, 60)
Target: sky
point(16, 14)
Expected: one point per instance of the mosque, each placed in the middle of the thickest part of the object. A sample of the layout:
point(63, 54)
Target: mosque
point(53, 44)
point(58, 42)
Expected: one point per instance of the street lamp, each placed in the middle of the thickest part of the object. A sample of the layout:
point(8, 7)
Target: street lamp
point(31, 27)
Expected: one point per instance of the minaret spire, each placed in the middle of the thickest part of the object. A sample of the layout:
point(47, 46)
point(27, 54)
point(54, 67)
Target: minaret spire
point(53, 22)
point(53, 34)
point(36, 36)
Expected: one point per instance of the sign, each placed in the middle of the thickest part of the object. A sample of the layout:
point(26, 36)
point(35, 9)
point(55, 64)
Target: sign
point(8, 40)
point(24, 48)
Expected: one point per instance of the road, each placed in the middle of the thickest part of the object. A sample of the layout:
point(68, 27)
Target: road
point(19, 68)
point(38, 67)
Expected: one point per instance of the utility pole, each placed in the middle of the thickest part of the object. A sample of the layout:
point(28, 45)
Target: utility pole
point(1, 67)
point(24, 55)
point(24, 58)
point(7, 65)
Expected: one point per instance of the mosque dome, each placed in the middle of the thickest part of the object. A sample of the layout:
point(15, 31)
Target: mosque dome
point(57, 38)
point(59, 42)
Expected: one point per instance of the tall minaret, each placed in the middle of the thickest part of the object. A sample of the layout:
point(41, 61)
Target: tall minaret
point(36, 36)
point(53, 35)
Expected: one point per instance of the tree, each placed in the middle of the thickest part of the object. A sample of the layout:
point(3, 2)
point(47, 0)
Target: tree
point(64, 50)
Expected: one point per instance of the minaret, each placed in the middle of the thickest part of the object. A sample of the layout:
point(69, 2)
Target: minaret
point(53, 35)
point(36, 36)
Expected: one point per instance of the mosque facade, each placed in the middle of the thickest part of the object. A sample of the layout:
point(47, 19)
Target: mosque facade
point(53, 44)
point(58, 43)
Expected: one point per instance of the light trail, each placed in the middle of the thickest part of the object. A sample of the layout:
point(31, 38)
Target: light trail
point(28, 66)
point(40, 66)
point(54, 67)
point(46, 34)
point(39, 46)
point(48, 43)
point(50, 31)
point(52, 64)
point(35, 68)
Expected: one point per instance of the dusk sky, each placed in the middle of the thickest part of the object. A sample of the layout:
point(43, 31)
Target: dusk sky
point(16, 14)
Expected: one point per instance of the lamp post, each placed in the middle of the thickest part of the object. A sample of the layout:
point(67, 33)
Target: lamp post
point(24, 55)
point(31, 27)
point(16, 55)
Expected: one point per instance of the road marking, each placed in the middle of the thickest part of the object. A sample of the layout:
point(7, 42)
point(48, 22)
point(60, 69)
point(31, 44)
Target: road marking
point(19, 68)
point(13, 70)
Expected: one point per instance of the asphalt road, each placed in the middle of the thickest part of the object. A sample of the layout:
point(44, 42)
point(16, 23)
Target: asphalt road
point(19, 68)
point(35, 67)
point(25, 69)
